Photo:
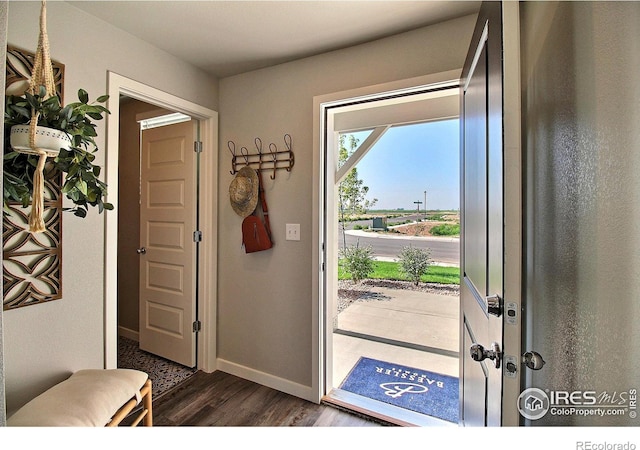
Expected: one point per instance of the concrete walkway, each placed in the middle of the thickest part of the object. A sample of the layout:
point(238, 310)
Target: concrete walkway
point(427, 324)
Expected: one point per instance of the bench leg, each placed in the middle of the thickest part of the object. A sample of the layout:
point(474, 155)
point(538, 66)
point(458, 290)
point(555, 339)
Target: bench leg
point(148, 405)
point(145, 415)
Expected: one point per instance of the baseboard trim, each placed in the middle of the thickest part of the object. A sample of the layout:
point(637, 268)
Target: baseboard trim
point(265, 379)
point(129, 333)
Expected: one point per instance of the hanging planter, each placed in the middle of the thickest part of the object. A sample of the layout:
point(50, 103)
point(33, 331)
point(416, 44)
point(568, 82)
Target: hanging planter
point(47, 139)
point(40, 131)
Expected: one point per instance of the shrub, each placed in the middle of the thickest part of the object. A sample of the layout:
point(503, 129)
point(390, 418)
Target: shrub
point(358, 261)
point(446, 229)
point(414, 262)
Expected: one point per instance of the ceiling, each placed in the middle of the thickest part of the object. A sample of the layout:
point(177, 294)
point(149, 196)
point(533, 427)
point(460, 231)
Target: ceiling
point(228, 37)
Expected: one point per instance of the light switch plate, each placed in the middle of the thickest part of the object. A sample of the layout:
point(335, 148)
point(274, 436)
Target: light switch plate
point(293, 231)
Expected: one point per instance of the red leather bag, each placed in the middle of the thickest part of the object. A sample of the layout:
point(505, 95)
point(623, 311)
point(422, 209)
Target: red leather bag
point(256, 234)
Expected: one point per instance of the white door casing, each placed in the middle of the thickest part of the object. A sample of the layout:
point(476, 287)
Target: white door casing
point(513, 208)
point(167, 248)
point(207, 256)
point(406, 101)
point(324, 165)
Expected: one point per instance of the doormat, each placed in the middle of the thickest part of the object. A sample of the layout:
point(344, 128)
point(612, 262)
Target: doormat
point(417, 390)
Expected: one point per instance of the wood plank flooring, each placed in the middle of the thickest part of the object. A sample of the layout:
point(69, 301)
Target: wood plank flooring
point(219, 399)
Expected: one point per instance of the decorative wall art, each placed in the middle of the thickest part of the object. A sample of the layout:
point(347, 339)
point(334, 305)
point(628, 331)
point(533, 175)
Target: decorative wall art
point(32, 262)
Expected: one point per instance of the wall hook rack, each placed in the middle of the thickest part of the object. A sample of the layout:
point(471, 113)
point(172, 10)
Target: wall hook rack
point(273, 159)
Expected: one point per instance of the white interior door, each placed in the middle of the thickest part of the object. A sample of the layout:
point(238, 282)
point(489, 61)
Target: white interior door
point(167, 248)
point(482, 252)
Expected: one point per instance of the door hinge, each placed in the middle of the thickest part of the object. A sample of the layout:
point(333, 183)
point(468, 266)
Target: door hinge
point(197, 326)
point(323, 267)
point(197, 146)
point(197, 236)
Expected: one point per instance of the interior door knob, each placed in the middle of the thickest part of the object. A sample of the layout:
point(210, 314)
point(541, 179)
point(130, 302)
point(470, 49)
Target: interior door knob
point(479, 353)
point(141, 251)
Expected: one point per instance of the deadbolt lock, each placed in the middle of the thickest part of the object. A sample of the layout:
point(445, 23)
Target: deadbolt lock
point(479, 353)
point(494, 305)
point(510, 366)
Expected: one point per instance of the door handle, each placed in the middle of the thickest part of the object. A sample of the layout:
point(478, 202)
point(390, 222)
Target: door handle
point(494, 305)
point(141, 251)
point(533, 360)
point(479, 353)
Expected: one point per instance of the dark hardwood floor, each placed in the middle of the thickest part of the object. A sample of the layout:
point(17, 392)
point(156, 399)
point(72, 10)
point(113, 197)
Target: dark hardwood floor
point(219, 399)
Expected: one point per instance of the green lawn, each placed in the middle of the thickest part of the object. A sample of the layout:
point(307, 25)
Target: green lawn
point(385, 270)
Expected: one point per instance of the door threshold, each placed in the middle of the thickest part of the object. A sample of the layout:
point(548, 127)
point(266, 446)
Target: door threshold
point(382, 411)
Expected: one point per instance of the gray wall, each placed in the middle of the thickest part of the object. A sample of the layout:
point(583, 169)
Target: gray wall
point(46, 342)
point(3, 44)
point(581, 105)
point(265, 307)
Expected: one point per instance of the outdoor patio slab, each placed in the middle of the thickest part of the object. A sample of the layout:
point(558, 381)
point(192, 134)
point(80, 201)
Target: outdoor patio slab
point(414, 317)
point(410, 328)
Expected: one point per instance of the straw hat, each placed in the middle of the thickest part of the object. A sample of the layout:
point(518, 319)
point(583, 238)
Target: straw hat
point(243, 191)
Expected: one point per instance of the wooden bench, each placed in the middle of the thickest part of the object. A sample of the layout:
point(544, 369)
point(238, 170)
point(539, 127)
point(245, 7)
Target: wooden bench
point(90, 398)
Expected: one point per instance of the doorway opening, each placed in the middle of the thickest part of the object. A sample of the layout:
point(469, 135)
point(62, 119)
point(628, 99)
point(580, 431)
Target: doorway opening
point(391, 345)
point(205, 258)
point(157, 263)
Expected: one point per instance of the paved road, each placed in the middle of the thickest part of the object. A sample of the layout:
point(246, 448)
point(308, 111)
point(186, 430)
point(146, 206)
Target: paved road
point(443, 250)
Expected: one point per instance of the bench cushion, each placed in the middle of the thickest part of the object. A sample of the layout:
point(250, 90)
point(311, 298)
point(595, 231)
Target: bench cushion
point(88, 398)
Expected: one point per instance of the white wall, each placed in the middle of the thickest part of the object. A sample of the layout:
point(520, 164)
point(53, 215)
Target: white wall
point(45, 343)
point(265, 309)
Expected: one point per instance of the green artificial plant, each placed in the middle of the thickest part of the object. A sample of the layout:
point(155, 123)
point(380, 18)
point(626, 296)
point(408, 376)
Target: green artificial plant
point(81, 182)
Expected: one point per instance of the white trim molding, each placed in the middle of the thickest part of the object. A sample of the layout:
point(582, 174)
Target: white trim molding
point(324, 167)
point(207, 284)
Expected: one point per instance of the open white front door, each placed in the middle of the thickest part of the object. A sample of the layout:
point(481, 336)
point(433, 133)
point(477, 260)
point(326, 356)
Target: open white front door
point(167, 248)
point(482, 222)
point(491, 254)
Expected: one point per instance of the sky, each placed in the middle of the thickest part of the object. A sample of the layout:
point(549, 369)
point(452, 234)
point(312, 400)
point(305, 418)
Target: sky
point(411, 159)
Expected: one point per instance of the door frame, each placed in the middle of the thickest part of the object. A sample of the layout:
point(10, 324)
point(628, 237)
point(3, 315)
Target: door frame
point(321, 233)
point(207, 259)
point(513, 206)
